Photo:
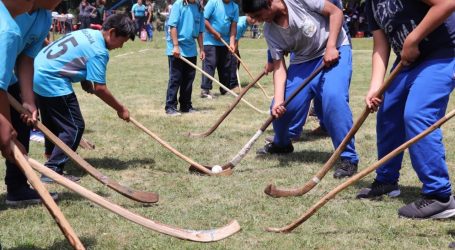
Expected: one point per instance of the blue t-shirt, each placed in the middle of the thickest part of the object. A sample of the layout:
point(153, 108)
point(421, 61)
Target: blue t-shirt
point(10, 40)
point(74, 57)
point(220, 15)
point(139, 11)
point(406, 15)
point(34, 28)
point(189, 21)
point(242, 25)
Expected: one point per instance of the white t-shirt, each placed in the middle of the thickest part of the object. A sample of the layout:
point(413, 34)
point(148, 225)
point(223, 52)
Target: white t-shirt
point(306, 35)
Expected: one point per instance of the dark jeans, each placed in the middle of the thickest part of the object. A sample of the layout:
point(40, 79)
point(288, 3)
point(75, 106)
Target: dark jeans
point(85, 22)
point(14, 178)
point(181, 75)
point(140, 22)
point(217, 57)
point(63, 117)
point(235, 64)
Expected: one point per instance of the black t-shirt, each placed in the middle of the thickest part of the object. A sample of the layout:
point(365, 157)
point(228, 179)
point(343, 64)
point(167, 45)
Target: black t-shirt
point(397, 18)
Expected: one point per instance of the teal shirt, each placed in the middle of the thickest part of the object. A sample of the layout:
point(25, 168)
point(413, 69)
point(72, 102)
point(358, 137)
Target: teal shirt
point(242, 26)
point(220, 15)
point(189, 22)
point(10, 40)
point(79, 55)
point(139, 11)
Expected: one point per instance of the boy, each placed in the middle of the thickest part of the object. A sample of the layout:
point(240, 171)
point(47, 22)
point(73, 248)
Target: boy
point(79, 56)
point(186, 23)
point(221, 22)
point(422, 35)
point(303, 28)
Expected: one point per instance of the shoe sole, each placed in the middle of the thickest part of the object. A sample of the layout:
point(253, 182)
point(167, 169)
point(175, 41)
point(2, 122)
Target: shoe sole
point(28, 202)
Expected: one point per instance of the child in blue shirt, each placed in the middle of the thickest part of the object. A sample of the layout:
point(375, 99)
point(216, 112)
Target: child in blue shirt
point(186, 23)
point(80, 56)
point(11, 45)
point(422, 35)
point(221, 23)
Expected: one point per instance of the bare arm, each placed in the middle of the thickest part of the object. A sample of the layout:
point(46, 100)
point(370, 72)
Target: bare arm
point(25, 74)
point(439, 11)
point(233, 34)
point(175, 42)
point(104, 94)
point(380, 59)
point(335, 21)
point(200, 42)
point(279, 80)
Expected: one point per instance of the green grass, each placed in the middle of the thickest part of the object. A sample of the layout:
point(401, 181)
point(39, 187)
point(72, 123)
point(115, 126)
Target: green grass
point(139, 80)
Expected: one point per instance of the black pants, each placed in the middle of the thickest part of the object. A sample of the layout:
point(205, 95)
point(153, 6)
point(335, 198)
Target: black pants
point(140, 22)
point(85, 22)
point(63, 117)
point(235, 64)
point(14, 178)
point(217, 57)
point(181, 75)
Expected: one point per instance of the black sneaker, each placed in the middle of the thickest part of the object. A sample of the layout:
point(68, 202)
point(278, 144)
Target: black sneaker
point(25, 195)
point(345, 169)
point(190, 110)
point(47, 180)
point(271, 148)
point(205, 93)
point(269, 139)
point(172, 112)
point(378, 189)
point(425, 208)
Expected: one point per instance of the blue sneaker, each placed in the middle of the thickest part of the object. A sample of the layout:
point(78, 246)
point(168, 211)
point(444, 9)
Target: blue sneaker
point(25, 195)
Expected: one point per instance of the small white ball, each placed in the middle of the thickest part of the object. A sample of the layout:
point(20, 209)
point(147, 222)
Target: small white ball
point(217, 169)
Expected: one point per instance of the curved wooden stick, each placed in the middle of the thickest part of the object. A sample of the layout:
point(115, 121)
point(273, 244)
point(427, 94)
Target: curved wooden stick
point(359, 176)
point(146, 197)
point(48, 202)
point(229, 110)
point(277, 192)
point(221, 85)
point(194, 164)
point(245, 67)
point(192, 235)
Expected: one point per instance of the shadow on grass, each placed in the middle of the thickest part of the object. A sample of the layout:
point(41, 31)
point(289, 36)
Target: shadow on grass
point(60, 245)
point(306, 156)
point(109, 163)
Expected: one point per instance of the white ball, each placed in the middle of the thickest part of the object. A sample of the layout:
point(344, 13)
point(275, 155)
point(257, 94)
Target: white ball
point(217, 169)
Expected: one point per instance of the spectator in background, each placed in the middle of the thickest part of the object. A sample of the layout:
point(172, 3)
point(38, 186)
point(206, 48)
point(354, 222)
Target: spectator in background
point(99, 11)
point(149, 26)
point(139, 15)
point(86, 12)
point(167, 12)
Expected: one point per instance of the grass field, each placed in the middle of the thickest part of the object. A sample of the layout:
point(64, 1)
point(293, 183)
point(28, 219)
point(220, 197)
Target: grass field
point(138, 76)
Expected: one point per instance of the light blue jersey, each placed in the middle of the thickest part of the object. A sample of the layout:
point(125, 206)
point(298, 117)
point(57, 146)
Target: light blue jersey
point(242, 25)
point(74, 57)
point(10, 39)
point(139, 11)
point(220, 15)
point(189, 21)
point(34, 29)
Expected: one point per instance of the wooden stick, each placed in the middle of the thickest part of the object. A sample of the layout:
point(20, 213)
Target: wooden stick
point(229, 110)
point(360, 175)
point(193, 235)
point(221, 85)
point(276, 192)
point(245, 67)
point(146, 197)
point(193, 163)
point(48, 202)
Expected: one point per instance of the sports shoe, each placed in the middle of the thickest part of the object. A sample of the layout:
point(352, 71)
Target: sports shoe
point(48, 180)
point(377, 189)
point(190, 110)
point(205, 93)
point(269, 139)
point(425, 208)
point(172, 112)
point(25, 195)
point(345, 169)
point(271, 148)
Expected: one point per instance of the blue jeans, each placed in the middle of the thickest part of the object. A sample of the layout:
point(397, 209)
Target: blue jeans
point(416, 99)
point(181, 75)
point(63, 117)
point(331, 88)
